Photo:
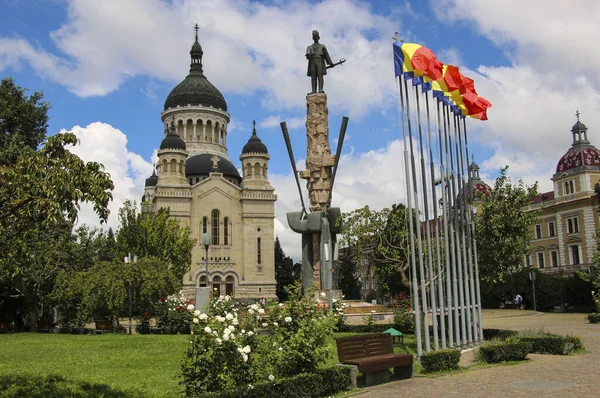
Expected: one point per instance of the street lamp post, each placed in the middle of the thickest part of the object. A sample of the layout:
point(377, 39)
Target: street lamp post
point(206, 243)
point(127, 260)
point(532, 277)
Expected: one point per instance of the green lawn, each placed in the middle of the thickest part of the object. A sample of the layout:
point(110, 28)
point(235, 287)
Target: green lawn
point(148, 364)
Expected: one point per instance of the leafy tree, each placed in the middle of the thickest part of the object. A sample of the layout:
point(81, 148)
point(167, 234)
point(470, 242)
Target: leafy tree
point(384, 237)
point(147, 234)
point(348, 280)
point(41, 187)
point(284, 271)
point(502, 227)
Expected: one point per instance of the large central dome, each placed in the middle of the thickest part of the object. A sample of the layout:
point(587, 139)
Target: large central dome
point(195, 89)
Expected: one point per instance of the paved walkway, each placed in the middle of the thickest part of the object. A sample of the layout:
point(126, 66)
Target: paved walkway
point(542, 375)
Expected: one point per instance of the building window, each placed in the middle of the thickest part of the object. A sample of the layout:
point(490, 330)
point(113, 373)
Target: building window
point(528, 260)
point(540, 260)
point(574, 251)
point(226, 231)
point(258, 257)
point(204, 225)
point(572, 225)
point(538, 231)
point(551, 229)
point(554, 259)
point(569, 187)
point(215, 227)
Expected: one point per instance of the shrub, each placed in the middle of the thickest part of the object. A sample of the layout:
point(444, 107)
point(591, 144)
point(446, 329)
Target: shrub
point(57, 387)
point(227, 350)
point(404, 320)
point(594, 317)
point(172, 315)
point(439, 361)
point(549, 344)
point(322, 383)
point(338, 307)
point(502, 351)
point(576, 341)
point(500, 334)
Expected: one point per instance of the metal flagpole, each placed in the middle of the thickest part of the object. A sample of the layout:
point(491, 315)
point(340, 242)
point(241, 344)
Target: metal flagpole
point(474, 246)
point(464, 226)
point(451, 232)
point(413, 265)
point(459, 241)
point(446, 218)
point(424, 186)
point(419, 242)
point(455, 211)
point(437, 231)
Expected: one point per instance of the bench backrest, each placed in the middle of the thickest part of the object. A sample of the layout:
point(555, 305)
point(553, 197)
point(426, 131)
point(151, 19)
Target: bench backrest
point(368, 345)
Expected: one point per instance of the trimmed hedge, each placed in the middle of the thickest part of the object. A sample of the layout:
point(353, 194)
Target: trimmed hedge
point(57, 387)
point(594, 317)
point(502, 351)
point(576, 341)
point(442, 360)
point(322, 383)
point(501, 334)
point(549, 344)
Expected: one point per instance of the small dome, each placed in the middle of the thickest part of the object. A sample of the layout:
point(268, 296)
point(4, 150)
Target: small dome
point(578, 127)
point(579, 156)
point(254, 145)
point(152, 180)
point(172, 140)
point(203, 164)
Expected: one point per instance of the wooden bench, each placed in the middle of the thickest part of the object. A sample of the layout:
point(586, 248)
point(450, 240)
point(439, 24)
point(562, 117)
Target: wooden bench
point(373, 355)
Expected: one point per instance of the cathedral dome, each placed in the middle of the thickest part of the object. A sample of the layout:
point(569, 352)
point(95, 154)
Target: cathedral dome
point(254, 145)
point(206, 163)
point(172, 140)
point(152, 180)
point(195, 89)
point(581, 154)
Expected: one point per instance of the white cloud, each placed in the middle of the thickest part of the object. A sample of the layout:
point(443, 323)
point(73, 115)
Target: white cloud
point(553, 73)
point(247, 47)
point(101, 142)
point(274, 120)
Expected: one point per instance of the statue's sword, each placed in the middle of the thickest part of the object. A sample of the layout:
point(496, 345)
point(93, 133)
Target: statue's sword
point(341, 61)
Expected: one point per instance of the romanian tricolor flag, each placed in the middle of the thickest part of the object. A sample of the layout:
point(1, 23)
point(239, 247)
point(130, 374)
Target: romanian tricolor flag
point(448, 85)
point(416, 60)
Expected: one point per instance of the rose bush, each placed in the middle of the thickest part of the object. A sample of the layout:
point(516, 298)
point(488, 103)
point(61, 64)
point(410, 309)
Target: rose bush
point(232, 348)
point(173, 315)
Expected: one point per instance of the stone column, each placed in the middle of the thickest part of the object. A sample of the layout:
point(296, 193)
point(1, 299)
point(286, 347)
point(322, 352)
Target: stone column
point(319, 163)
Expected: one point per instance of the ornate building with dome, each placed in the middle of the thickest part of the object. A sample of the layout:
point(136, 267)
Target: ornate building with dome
point(198, 182)
point(563, 237)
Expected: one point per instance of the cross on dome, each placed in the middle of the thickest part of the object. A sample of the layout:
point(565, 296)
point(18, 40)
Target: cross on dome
point(577, 114)
point(254, 127)
point(196, 29)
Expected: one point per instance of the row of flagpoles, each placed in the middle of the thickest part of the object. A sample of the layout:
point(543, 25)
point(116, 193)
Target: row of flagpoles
point(443, 256)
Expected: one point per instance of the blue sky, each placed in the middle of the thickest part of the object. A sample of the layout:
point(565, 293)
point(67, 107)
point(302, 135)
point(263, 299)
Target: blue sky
point(107, 67)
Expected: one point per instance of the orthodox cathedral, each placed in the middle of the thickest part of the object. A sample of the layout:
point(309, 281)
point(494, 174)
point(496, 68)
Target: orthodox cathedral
point(563, 237)
point(198, 182)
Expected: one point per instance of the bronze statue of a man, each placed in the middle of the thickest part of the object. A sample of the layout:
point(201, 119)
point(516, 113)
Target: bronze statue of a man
point(317, 56)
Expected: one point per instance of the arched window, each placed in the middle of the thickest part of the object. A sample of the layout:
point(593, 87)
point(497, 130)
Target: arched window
point(226, 231)
point(173, 165)
point(216, 282)
point(202, 281)
point(215, 227)
point(181, 166)
point(204, 225)
point(164, 166)
point(248, 169)
point(257, 171)
point(229, 282)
